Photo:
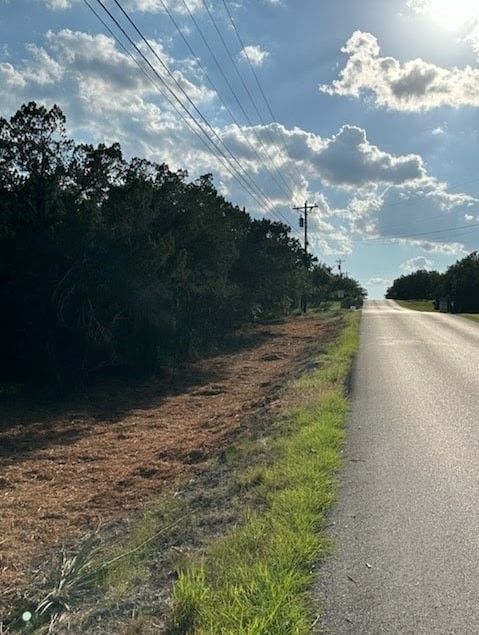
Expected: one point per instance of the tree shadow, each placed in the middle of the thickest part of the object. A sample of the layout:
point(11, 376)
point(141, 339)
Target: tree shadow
point(30, 424)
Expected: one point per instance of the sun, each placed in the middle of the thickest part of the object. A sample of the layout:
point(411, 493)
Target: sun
point(453, 14)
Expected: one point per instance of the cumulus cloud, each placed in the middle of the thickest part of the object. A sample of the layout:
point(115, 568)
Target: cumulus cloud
point(97, 58)
point(348, 159)
point(439, 247)
point(413, 86)
point(426, 211)
point(255, 54)
point(106, 98)
point(422, 214)
point(156, 6)
point(415, 264)
point(388, 197)
point(326, 236)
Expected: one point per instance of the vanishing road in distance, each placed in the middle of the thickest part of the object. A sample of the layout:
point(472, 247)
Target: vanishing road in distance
point(406, 524)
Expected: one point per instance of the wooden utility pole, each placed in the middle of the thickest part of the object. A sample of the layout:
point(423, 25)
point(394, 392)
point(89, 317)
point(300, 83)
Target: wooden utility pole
point(305, 209)
point(303, 222)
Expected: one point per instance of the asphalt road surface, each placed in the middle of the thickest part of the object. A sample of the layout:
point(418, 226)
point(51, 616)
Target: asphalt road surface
point(406, 524)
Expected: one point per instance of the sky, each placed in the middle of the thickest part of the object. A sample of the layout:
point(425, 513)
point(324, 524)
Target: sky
point(366, 109)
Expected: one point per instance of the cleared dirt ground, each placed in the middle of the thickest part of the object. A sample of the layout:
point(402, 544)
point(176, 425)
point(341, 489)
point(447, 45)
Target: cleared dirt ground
point(67, 468)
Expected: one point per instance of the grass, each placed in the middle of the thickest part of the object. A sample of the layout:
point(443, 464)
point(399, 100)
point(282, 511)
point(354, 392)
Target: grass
point(417, 305)
point(426, 305)
point(256, 580)
point(60, 586)
point(273, 486)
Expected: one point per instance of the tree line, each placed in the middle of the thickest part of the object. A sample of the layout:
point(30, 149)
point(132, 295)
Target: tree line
point(459, 285)
point(113, 264)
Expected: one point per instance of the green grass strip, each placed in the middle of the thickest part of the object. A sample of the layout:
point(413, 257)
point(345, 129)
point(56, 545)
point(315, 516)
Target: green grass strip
point(427, 305)
point(257, 579)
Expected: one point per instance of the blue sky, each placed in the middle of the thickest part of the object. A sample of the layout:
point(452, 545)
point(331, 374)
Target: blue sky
point(371, 111)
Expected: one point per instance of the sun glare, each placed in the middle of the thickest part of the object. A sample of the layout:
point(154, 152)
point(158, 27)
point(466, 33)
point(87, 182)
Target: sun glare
point(453, 14)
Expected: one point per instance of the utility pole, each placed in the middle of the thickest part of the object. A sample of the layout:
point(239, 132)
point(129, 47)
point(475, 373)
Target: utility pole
point(303, 221)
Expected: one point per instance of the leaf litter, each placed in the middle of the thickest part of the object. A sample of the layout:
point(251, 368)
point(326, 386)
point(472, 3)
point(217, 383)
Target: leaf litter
point(68, 467)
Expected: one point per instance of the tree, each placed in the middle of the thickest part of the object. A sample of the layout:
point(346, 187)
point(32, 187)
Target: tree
point(420, 285)
point(272, 270)
point(462, 284)
point(107, 263)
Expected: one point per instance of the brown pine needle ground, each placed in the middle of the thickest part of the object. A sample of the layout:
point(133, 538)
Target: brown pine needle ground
point(65, 469)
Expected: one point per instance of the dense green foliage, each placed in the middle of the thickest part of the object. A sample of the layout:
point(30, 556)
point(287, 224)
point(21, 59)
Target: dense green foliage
point(108, 263)
point(460, 284)
point(420, 285)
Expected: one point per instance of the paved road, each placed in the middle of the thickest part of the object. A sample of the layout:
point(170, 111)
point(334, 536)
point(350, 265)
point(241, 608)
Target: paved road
point(407, 519)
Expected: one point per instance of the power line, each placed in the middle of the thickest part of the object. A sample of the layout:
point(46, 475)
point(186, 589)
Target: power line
point(243, 83)
point(190, 101)
point(216, 90)
point(263, 94)
point(252, 188)
point(232, 90)
point(417, 234)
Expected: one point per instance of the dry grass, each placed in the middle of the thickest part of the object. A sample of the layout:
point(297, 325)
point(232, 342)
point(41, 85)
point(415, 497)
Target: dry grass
point(68, 469)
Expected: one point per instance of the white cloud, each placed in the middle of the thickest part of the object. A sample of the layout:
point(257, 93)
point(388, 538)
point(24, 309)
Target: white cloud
point(413, 86)
point(438, 131)
point(417, 5)
point(415, 264)
point(42, 69)
point(422, 214)
point(425, 211)
point(97, 59)
point(144, 6)
point(255, 54)
point(346, 160)
point(379, 282)
point(106, 98)
point(156, 6)
point(10, 77)
point(349, 160)
point(59, 5)
point(473, 38)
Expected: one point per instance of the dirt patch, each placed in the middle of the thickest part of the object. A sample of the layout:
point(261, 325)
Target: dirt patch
point(67, 468)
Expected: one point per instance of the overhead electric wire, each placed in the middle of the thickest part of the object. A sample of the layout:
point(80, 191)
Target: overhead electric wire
point(200, 114)
point(145, 72)
point(232, 90)
point(416, 234)
point(406, 203)
point(247, 91)
point(216, 90)
point(253, 190)
point(258, 83)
